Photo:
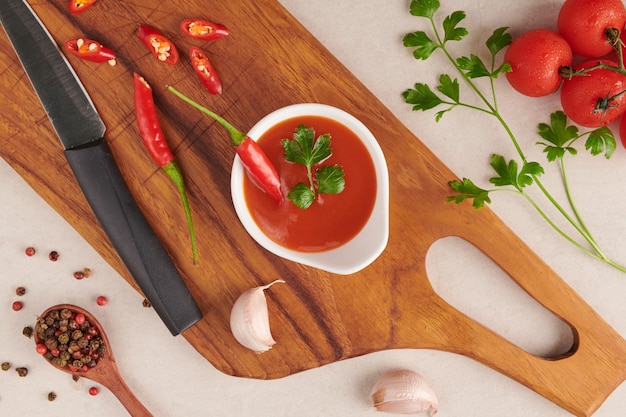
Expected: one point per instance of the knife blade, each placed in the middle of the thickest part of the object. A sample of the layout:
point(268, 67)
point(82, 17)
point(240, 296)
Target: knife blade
point(81, 131)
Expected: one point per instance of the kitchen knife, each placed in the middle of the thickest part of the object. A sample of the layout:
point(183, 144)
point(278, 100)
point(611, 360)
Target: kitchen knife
point(81, 131)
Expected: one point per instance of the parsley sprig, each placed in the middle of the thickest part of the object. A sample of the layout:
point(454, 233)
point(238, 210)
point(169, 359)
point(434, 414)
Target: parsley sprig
point(557, 138)
point(305, 149)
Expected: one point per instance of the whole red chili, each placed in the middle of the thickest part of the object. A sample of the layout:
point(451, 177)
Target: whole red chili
point(90, 50)
point(203, 29)
point(78, 6)
point(154, 140)
point(254, 159)
point(160, 46)
point(205, 71)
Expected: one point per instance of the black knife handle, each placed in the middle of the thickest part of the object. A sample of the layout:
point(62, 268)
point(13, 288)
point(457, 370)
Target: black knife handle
point(130, 233)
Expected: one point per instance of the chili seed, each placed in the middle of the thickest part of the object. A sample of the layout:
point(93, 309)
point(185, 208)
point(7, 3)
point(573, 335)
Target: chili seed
point(5, 366)
point(28, 331)
point(20, 291)
point(93, 391)
point(101, 300)
point(54, 256)
point(17, 305)
point(21, 371)
point(30, 251)
point(52, 396)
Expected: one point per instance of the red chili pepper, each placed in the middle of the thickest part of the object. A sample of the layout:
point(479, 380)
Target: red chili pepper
point(154, 140)
point(203, 29)
point(205, 71)
point(161, 47)
point(79, 6)
point(254, 159)
point(90, 50)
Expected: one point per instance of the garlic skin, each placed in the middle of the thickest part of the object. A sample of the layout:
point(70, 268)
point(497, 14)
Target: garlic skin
point(404, 392)
point(249, 319)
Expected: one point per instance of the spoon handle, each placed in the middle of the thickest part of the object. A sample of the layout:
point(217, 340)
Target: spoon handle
point(123, 393)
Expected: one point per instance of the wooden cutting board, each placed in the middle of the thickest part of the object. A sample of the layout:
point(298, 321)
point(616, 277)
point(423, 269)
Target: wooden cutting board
point(269, 61)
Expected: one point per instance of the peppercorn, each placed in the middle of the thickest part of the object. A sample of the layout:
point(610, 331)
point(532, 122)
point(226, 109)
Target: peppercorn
point(28, 331)
point(79, 275)
point(64, 338)
point(146, 303)
point(17, 305)
point(20, 291)
point(93, 391)
point(101, 300)
point(66, 313)
point(87, 272)
point(5, 366)
point(21, 371)
point(53, 256)
point(30, 251)
point(52, 396)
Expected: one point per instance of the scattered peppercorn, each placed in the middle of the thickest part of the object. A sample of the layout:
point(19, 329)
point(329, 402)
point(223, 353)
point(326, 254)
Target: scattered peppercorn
point(28, 331)
point(20, 291)
point(79, 275)
point(87, 272)
point(17, 305)
point(52, 396)
point(146, 303)
point(93, 391)
point(5, 366)
point(75, 378)
point(54, 256)
point(30, 251)
point(21, 371)
point(101, 300)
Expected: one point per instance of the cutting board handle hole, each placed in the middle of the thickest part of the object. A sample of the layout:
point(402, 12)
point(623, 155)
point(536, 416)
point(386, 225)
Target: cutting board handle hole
point(472, 283)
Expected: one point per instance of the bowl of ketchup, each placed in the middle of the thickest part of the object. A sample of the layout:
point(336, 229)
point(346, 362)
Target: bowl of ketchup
point(341, 233)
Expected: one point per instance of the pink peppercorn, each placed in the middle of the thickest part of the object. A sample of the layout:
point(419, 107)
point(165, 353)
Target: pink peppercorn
point(101, 300)
point(17, 305)
point(93, 391)
point(30, 251)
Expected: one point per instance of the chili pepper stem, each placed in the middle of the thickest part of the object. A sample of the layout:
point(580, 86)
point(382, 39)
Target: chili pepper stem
point(236, 135)
point(173, 171)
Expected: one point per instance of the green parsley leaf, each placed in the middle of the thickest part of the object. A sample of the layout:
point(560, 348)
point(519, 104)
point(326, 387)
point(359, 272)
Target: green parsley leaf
point(424, 8)
point(509, 175)
point(558, 136)
point(451, 31)
point(330, 179)
point(422, 97)
point(424, 46)
point(449, 87)
point(498, 40)
point(305, 149)
point(473, 66)
point(301, 195)
point(468, 191)
point(601, 140)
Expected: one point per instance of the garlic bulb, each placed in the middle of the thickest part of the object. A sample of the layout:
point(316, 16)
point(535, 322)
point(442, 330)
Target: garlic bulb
point(404, 392)
point(249, 319)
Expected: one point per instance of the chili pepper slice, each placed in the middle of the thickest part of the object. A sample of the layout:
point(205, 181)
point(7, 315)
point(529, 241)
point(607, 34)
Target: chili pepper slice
point(161, 47)
point(90, 50)
point(79, 6)
point(154, 140)
point(254, 159)
point(205, 71)
point(203, 29)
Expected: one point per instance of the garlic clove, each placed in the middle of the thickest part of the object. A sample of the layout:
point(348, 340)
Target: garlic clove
point(404, 392)
point(249, 319)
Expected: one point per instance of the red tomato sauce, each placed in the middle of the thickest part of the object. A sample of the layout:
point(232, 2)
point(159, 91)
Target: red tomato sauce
point(332, 219)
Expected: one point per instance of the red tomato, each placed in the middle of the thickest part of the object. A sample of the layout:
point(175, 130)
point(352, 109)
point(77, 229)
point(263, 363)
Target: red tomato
point(580, 95)
point(622, 131)
point(583, 23)
point(535, 58)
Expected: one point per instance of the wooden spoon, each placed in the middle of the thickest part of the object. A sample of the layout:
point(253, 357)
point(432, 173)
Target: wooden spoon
point(105, 372)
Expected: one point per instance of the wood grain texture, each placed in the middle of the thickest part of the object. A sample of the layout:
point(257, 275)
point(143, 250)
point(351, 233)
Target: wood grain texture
point(269, 61)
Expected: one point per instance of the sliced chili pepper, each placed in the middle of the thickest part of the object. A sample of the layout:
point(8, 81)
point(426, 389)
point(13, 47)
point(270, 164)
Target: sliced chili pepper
point(154, 140)
point(161, 47)
point(90, 50)
point(79, 6)
point(254, 159)
point(203, 29)
point(205, 71)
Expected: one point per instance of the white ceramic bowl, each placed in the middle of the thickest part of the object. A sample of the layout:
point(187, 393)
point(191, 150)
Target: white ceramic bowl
point(369, 243)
